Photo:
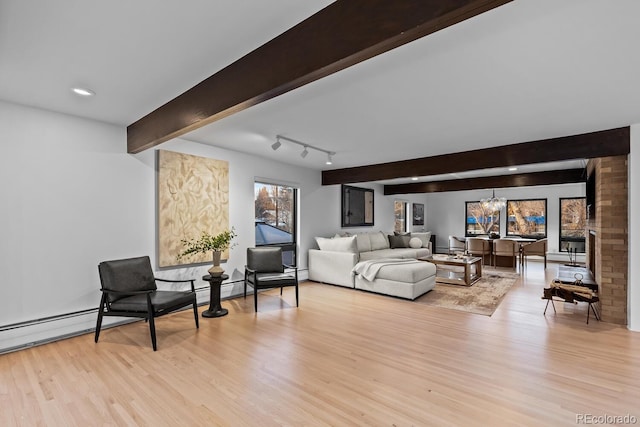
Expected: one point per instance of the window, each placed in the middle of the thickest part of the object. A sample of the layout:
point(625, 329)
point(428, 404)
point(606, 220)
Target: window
point(573, 220)
point(479, 221)
point(400, 214)
point(527, 218)
point(275, 218)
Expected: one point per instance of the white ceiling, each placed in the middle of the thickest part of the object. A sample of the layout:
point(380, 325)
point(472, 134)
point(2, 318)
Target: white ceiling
point(528, 70)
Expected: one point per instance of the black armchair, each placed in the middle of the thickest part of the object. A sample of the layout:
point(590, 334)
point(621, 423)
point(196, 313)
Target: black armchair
point(129, 290)
point(265, 270)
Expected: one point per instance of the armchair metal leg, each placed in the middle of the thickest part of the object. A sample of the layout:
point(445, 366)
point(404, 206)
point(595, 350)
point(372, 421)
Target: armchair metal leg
point(195, 313)
point(98, 324)
point(255, 299)
point(103, 301)
point(245, 284)
point(152, 330)
point(296, 295)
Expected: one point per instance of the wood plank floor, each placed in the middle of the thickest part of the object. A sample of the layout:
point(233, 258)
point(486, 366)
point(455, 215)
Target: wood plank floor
point(344, 357)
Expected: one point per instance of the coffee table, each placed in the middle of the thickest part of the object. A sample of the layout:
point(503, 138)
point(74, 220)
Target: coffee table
point(471, 269)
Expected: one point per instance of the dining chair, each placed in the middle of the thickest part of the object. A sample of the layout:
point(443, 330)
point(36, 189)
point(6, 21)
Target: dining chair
point(537, 248)
point(506, 248)
point(478, 246)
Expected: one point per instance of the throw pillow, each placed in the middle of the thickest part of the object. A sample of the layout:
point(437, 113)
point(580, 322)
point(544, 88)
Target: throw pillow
point(378, 241)
point(363, 242)
point(338, 244)
point(424, 237)
point(415, 243)
point(344, 234)
point(399, 241)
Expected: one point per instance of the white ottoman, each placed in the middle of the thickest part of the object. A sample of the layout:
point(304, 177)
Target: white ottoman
point(406, 280)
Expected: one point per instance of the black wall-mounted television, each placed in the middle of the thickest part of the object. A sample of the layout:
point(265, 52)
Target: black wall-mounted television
point(591, 195)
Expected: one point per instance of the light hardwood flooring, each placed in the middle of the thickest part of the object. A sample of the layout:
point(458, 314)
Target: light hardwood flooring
point(343, 358)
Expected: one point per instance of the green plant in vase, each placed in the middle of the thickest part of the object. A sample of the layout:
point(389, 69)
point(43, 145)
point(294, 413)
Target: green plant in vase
point(209, 243)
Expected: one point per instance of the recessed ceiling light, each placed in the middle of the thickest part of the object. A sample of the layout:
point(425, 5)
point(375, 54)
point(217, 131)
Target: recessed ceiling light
point(513, 169)
point(83, 92)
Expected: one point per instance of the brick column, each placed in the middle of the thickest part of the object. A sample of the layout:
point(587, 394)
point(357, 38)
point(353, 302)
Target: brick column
point(611, 243)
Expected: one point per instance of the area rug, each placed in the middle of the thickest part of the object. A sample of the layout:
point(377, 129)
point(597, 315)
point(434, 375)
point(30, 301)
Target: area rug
point(483, 297)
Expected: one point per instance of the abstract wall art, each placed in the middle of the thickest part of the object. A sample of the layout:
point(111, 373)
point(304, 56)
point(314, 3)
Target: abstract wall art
point(193, 197)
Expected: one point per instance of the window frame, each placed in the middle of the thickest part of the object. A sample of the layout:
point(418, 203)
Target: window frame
point(288, 246)
point(571, 239)
point(528, 236)
point(405, 210)
point(495, 228)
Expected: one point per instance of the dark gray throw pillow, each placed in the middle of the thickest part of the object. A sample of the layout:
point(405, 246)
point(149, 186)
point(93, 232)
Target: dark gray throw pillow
point(399, 241)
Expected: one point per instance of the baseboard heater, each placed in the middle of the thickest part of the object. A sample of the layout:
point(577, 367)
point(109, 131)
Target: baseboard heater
point(16, 336)
point(32, 333)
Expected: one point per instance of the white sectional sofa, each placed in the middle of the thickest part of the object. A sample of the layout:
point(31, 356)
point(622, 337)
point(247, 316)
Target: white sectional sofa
point(336, 257)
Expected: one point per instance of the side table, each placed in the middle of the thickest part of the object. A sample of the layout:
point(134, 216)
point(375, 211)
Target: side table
point(215, 309)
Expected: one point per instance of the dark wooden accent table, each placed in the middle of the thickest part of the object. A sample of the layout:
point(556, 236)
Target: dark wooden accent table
point(215, 309)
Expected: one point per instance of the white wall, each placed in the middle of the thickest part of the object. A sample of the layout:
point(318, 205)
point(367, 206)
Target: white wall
point(383, 207)
point(73, 197)
point(445, 212)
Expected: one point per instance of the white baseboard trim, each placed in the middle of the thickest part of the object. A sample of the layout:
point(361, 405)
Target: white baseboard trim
point(30, 334)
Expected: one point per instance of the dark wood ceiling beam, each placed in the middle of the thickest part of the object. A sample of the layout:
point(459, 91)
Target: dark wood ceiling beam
point(564, 176)
point(343, 34)
point(612, 142)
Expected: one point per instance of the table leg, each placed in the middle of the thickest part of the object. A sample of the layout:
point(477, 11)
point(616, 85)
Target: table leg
point(467, 274)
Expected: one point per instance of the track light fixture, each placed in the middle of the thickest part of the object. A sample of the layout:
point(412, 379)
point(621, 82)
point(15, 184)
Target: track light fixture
point(305, 151)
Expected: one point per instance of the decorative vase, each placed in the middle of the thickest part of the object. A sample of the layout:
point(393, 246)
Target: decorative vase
point(216, 270)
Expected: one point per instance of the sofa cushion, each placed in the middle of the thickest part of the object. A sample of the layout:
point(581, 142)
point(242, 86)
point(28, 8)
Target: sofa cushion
point(378, 241)
point(424, 237)
point(401, 241)
point(364, 242)
point(410, 273)
point(395, 253)
point(344, 234)
point(338, 244)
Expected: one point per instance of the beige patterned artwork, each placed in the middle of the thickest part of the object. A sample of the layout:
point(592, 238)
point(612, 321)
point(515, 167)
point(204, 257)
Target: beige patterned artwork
point(193, 196)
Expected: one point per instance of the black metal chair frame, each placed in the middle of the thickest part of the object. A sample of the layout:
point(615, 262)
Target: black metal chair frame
point(151, 311)
point(252, 278)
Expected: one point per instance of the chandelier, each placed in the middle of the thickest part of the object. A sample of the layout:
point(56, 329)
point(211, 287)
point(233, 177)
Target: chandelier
point(493, 203)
